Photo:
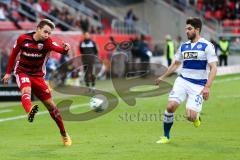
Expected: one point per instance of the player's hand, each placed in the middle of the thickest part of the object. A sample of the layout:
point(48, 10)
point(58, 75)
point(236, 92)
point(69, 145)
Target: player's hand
point(205, 93)
point(6, 78)
point(157, 81)
point(66, 46)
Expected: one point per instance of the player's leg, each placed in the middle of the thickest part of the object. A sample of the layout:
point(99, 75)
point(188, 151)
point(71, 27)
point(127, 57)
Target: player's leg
point(176, 97)
point(191, 115)
point(169, 117)
point(26, 98)
point(55, 114)
point(24, 83)
point(194, 104)
point(194, 116)
point(168, 121)
point(42, 91)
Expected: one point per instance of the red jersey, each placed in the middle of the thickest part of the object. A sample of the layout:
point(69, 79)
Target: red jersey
point(32, 54)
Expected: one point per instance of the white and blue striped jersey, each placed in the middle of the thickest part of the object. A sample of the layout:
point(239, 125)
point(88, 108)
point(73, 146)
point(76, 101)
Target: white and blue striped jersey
point(195, 58)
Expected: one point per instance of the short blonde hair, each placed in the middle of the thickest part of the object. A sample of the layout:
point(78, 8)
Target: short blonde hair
point(44, 22)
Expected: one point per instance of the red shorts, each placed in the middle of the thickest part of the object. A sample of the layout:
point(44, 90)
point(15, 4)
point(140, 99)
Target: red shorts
point(37, 84)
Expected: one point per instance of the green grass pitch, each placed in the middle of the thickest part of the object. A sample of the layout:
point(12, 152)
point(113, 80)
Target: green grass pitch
point(117, 136)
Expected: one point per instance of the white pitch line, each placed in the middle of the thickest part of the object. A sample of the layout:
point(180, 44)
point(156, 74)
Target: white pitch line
point(229, 96)
point(8, 105)
point(39, 113)
point(5, 111)
point(227, 80)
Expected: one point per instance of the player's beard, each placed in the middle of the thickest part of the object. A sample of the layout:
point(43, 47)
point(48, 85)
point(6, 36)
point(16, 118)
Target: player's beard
point(191, 36)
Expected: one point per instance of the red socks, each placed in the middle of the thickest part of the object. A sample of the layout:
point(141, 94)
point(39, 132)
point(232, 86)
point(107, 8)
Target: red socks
point(26, 102)
point(55, 114)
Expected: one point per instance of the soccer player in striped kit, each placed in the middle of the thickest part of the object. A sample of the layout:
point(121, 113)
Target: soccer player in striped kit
point(32, 50)
point(193, 84)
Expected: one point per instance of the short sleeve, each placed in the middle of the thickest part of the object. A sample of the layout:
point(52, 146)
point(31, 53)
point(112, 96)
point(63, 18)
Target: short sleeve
point(178, 55)
point(18, 42)
point(211, 54)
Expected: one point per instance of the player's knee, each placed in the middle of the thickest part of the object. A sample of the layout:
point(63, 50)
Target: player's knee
point(26, 90)
point(189, 118)
point(192, 117)
point(171, 107)
point(49, 104)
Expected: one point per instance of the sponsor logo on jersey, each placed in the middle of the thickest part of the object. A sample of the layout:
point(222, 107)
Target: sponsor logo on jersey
point(40, 46)
point(32, 54)
point(187, 46)
point(199, 46)
point(26, 44)
point(190, 55)
point(55, 43)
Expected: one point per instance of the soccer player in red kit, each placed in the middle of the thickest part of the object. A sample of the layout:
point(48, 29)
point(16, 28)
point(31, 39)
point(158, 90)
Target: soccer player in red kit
point(32, 51)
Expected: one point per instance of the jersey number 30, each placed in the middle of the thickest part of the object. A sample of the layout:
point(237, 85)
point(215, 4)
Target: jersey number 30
point(25, 80)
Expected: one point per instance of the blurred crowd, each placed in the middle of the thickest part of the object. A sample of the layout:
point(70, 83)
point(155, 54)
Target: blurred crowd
point(136, 50)
point(32, 10)
point(219, 9)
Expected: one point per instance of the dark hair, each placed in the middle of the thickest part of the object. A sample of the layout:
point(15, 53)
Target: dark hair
point(195, 22)
point(44, 22)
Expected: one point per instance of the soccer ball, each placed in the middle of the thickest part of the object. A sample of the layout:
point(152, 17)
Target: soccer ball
point(97, 104)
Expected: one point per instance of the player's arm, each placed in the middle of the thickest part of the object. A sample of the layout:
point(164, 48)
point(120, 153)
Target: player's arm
point(172, 68)
point(212, 74)
point(60, 49)
point(212, 63)
point(211, 77)
point(11, 61)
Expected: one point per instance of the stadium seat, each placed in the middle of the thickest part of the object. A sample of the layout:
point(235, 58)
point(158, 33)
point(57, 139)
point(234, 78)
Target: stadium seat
point(208, 15)
point(107, 25)
point(236, 30)
point(218, 15)
point(199, 6)
point(227, 23)
point(27, 25)
point(16, 15)
point(7, 26)
point(231, 5)
point(237, 22)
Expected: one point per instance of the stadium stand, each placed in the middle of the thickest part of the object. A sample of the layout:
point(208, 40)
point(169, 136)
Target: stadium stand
point(67, 15)
point(225, 12)
point(221, 16)
point(27, 12)
point(72, 18)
